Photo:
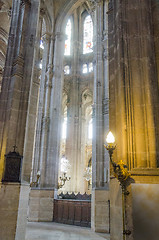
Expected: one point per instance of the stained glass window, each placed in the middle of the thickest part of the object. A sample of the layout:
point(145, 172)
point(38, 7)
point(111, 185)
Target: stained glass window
point(88, 35)
point(68, 40)
point(90, 66)
point(66, 69)
point(85, 69)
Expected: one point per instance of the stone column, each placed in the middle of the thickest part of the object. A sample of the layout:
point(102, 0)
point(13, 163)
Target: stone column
point(6, 81)
point(73, 140)
point(41, 197)
point(42, 105)
point(52, 164)
point(46, 118)
point(15, 94)
point(100, 194)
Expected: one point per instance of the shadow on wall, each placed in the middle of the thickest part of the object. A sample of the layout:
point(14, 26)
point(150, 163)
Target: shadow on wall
point(145, 199)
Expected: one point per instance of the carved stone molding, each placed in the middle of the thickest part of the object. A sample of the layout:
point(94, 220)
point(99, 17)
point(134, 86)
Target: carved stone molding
point(93, 110)
point(105, 35)
point(42, 12)
point(25, 2)
point(110, 6)
point(49, 76)
point(46, 38)
point(105, 54)
point(18, 66)
point(45, 122)
point(11, 40)
point(5, 6)
point(105, 106)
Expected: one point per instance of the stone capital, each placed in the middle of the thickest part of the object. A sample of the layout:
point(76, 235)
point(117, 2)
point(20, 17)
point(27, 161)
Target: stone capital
point(42, 12)
point(105, 106)
point(95, 3)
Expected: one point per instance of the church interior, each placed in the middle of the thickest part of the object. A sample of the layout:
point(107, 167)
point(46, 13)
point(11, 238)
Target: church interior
point(79, 119)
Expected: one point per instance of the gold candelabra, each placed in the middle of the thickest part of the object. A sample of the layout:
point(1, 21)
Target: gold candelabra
point(63, 180)
point(120, 169)
point(35, 184)
point(123, 176)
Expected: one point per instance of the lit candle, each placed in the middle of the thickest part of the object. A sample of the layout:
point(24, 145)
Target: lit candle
point(110, 138)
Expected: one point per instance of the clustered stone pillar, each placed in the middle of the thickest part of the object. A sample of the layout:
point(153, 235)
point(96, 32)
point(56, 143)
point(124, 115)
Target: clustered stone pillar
point(41, 198)
point(16, 98)
point(73, 115)
point(55, 114)
point(100, 166)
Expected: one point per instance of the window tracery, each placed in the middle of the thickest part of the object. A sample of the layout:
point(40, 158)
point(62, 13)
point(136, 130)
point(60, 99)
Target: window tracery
point(68, 31)
point(88, 35)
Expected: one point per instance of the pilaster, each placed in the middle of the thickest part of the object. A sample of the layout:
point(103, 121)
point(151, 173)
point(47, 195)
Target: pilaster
point(100, 167)
point(133, 111)
point(16, 102)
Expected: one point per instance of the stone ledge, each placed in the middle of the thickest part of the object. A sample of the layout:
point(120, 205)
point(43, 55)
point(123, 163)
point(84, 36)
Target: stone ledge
point(145, 172)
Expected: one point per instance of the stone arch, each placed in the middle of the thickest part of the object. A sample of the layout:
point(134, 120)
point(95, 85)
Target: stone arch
point(66, 11)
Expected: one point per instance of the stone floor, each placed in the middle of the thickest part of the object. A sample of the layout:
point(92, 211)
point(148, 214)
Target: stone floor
point(55, 231)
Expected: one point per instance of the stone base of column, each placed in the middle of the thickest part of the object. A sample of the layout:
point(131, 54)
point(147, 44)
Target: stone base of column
point(41, 203)
point(22, 212)
point(9, 203)
point(116, 211)
point(100, 210)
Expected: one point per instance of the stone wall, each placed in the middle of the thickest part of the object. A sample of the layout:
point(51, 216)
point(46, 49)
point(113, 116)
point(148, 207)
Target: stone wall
point(41, 204)
point(9, 197)
point(100, 211)
point(145, 211)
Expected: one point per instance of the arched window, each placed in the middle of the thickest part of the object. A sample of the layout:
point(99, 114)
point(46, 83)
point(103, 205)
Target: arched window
point(90, 130)
point(68, 40)
point(41, 44)
point(88, 35)
point(90, 67)
point(84, 68)
point(64, 128)
point(67, 70)
point(40, 64)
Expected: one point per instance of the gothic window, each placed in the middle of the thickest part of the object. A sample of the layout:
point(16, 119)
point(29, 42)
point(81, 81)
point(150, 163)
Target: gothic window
point(88, 35)
point(64, 128)
point(90, 130)
point(67, 70)
point(90, 67)
point(41, 44)
point(84, 68)
point(40, 64)
point(68, 31)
